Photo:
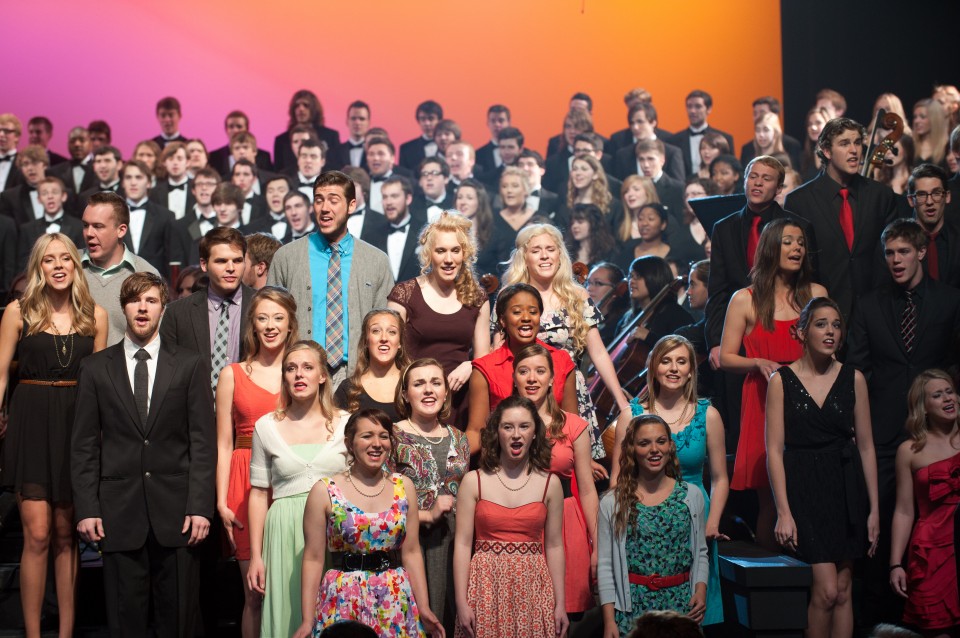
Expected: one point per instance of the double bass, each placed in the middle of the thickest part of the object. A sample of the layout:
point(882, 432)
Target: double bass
point(877, 152)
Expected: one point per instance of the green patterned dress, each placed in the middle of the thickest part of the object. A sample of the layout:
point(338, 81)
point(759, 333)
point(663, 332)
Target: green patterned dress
point(658, 543)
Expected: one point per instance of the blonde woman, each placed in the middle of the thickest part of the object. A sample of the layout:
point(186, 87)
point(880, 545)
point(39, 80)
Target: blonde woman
point(930, 132)
point(569, 319)
point(53, 327)
point(636, 192)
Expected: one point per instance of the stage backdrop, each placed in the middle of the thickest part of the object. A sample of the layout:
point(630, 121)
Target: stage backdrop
point(113, 59)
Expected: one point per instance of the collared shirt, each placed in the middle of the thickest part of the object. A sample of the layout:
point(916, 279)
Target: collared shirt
point(112, 186)
point(356, 152)
point(497, 160)
point(213, 314)
point(137, 219)
point(177, 199)
point(695, 147)
point(153, 349)
point(38, 210)
point(900, 299)
point(355, 220)
point(306, 231)
point(306, 190)
point(6, 167)
point(319, 251)
point(126, 262)
point(53, 221)
point(396, 242)
point(430, 148)
point(78, 174)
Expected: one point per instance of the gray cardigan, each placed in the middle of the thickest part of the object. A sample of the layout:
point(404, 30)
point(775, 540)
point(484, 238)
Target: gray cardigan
point(612, 572)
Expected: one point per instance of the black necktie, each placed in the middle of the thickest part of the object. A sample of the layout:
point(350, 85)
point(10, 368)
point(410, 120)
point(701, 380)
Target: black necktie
point(141, 383)
point(398, 229)
point(178, 187)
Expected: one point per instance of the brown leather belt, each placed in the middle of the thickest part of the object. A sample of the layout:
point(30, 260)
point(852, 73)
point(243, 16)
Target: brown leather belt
point(244, 442)
point(55, 384)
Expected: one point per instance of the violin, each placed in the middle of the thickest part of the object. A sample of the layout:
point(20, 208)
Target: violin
point(580, 272)
point(877, 153)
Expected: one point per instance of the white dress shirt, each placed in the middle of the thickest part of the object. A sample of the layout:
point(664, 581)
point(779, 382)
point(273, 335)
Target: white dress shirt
point(153, 349)
point(396, 242)
point(695, 147)
point(137, 219)
point(78, 174)
point(5, 168)
point(177, 199)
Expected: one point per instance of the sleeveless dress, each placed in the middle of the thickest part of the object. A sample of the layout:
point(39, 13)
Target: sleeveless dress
point(750, 467)
point(554, 331)
point(825, 486)
point(36, 453)
point(658, 543)
point(509, 589)
point(691, 444)
point(250, 402)
point(381, 600)
point(932, 601)
point(448, 338)
point(436, 469)
point(576, 538)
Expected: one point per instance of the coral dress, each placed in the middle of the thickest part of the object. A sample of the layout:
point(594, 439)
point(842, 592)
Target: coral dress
point(576, 539)
point(250, 402)
point(509, 589)
point(750, 467)
point(932, 601)
point(381, 600)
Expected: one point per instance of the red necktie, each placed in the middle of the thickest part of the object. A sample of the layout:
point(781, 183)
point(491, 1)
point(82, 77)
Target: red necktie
point(933, 263)
point(846, 217)
point(752, 240)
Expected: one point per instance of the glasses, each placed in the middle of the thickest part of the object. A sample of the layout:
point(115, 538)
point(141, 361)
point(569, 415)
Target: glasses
point(935, 196)
point(433, 173)
point(597, 284)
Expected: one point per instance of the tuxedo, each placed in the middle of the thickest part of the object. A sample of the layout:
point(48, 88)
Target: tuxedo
point(33, 230)
point(625, 162)
point(65, 172)
point(283, 156)
point(160, 241)
point(421, 205)
point(17, 204)
point(265, 223)
point(159, 194)
point(8, 254)
point(162, 141)
point(97, 188)
point(14, 177)
point(557, 144)
point(190, 233)
point(345, 149)
point(374, 226)
point(848, 274)
point(142, 477)
point(486, 159)
point(412, 153)
point(409, 266)
point(55, 159)
point(219, 160)
point(682, 141)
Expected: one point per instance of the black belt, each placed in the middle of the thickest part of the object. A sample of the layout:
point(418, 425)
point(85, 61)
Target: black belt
point(372, 562)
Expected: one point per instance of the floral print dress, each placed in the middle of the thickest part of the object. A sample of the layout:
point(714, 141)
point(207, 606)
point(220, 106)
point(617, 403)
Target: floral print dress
point(381, 600)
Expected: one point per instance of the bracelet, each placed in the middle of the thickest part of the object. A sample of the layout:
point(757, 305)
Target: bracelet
point(897, 566)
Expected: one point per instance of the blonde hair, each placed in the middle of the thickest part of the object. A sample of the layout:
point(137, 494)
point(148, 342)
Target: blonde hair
point(35, 305)
point(599, 188)
point(514, 171)
point(563, 285)
point(469, 292)
point(625, 231)
point(916, 424)
point(662, 347)
point(281, 297)
point(773, 120)
point(325, 393)
point(939, 129)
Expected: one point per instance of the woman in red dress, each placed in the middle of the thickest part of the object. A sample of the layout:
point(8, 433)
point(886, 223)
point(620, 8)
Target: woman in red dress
point(762, 319)
point(927, 468)
point(245, 392)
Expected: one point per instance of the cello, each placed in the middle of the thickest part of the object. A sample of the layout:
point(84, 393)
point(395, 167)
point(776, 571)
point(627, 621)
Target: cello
point(877, 152)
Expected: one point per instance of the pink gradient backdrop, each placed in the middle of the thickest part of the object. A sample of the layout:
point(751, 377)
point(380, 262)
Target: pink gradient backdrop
point(113, 59)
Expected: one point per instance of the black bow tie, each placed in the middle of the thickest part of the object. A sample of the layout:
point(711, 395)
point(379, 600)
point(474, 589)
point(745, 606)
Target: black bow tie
point(54, 221)
point(307, 184)
point(110, 188)
point(8, 158)
point(697, 133)
point(402, 228)
point(31, 189)
point(178, 187)
point(76, 162)
point(352, 145)
point(377, 180)
point(134, 207)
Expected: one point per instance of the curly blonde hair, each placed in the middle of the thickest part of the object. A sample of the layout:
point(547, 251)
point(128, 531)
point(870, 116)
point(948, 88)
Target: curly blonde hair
point(35, 305)
point(916, 424)
point(469, 291)
point(563, 285)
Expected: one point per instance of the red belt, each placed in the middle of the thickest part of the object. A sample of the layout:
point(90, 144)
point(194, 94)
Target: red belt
point(55, 384)
point(653, 582)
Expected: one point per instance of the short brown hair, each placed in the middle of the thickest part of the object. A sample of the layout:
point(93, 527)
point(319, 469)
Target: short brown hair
point(771, 162)
point(243, 137)
point(221, 235)
point(138, 164)
point(33, 153)
point(139, 283)
point(50, 179)
point(168, 104)
point(336, 178)
point(228, 193)
point(909, 230)
point(121, 212)
point(261, 247)
point(171, 149)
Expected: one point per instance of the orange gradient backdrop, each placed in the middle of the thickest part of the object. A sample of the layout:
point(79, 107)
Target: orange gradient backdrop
point(112, 59)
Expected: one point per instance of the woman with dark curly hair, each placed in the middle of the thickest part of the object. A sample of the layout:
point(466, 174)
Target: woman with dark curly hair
point(590, 239)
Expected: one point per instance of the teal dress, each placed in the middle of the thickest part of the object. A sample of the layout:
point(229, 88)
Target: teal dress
point(692, 451)
point(658, 543)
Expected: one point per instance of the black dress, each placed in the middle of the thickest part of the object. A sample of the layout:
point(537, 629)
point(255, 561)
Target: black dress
point(825, 485)
point(36, 453)
point(366, 401)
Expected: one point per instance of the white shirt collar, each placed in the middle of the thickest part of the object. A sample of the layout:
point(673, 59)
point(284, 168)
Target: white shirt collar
point(152, 348)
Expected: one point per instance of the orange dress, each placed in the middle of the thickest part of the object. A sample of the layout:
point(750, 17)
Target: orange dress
point(250, 402)
point(509, 589)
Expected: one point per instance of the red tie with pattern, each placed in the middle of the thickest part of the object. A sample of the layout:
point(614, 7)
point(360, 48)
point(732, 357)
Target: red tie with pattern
point(846, 217)
point(753, 238)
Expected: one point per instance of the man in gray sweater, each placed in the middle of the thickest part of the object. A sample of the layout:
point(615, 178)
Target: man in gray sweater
point(107, 262)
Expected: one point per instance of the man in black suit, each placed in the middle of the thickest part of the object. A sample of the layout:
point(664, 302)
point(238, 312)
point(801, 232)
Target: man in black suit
point(545, 202)
point(10, 131)
point(143, 467)
point(413, 152)
point(848, 212)
point(222, 159)
point(488, 155)
point(107, 163)
point(274, 221)
point(432, 198)
point(625, 137)
point(168, 115)
point(791, 146)
point(651, 158)
point(152, 233)
point(905, 326)
point(175, 193)
point(698, 104)
point(369, 225)
point(246, 177)
point(296, 208)
point(557, 143)
point(929, 195)
point(643, 126)
point(21, 202)
point(311, 158)
point(76, 172)
point(100, 135)
point(380, 158)
point(39, 132)
point(461, 159)
point(400, 239)
point(202, 218)
point(52, 195)
point(952, 213)
point(358, 123)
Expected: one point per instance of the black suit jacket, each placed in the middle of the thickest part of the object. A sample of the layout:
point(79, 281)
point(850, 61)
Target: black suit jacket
point(162, 141)
point(728, 262)
point(486, 161)
point(158, 195)
point(187, 324)
point(875, 347)
point(374, 228)
point(952, 212)
point(409, 261)
point(681, 140)
point(31, 231)
point(219, 160)
point(55, 158)
point(283, 156)
point(65, 172)
point(625, 162)
point(346, 147)
point(949, 260)
point(160, 242)
point(14, 177)
point(144, 477)
point(848, 274)
point(557, 144)
point(16, 204)
point(411, 153)
point(8, 254)
point(85, 195)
